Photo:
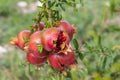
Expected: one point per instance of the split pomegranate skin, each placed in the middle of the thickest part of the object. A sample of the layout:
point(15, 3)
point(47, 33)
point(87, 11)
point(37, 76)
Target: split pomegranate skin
point(54, 39)
point(50, 44)
point(67, 27)
point(61, 60)
point(49, 38)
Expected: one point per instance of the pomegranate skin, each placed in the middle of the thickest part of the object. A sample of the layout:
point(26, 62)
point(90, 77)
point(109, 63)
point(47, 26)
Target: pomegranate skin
point(35, 57)
point(53, 59)
point(66, 59)
point(39, 27)
point(67, 27)
point(61, 60)
point(49, 37)
point(35, 40)
point(20, 38)
point(35, 60)
point(52, 38)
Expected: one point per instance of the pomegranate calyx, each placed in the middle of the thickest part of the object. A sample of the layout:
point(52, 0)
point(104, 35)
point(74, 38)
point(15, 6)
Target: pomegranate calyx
point(13, 40)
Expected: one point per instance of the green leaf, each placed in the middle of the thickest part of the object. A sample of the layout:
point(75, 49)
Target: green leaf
point(116, 58)
point(76, 45)
point(112, 5)
point(52, 4)
point(22, 63)
point(80, 55)
point(31, 68)
point(81, 1)
point(100, 42)
point(31, 29)
point(104, 62)
point(26, 39)
point(40, 48)
point(61, 6)
point(68, 74)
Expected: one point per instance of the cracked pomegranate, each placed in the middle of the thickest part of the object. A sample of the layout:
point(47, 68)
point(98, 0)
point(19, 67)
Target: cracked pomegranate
point(67, 27)
point(61, 60)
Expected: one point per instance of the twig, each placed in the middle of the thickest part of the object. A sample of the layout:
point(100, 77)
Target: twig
point(49, 14)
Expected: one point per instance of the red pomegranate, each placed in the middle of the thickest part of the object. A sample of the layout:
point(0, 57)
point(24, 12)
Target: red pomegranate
point(39, 27)
point(20, 41)
point(35, 39)
point(53, 38)
point(61, 60)
point(35, 43)
point(53, 59)
point(67, 27)
point(35, 60)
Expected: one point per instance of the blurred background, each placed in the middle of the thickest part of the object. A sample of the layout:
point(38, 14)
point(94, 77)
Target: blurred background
point(98, 34)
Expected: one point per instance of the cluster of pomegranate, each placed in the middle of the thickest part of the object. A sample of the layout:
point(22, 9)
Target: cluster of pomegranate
point(50, 44)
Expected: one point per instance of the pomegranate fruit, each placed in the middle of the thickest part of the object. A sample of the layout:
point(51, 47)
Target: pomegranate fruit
point(61, 60)
point(35, 60)
point(39, 27)
point(35, 41)
point(67, 27)
point(49, 37)
point(53, 59)
point(53, 38)
point(50, 43)
point(20, 41)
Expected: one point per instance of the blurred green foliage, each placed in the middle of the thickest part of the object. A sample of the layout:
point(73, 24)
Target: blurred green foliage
point(98, 36)
point(11, 20)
